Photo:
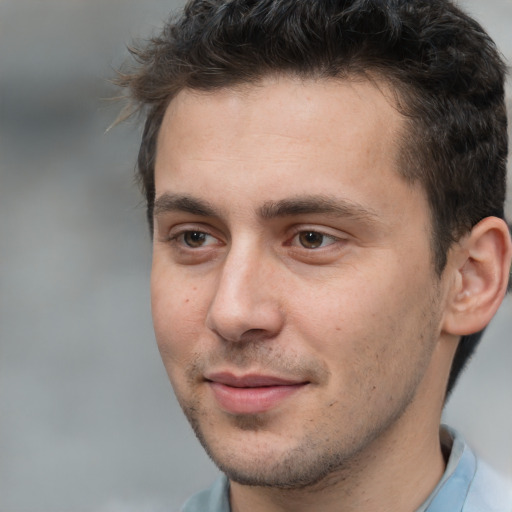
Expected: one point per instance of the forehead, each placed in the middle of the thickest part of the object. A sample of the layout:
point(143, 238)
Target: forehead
point(303, 109)
point(283, 137)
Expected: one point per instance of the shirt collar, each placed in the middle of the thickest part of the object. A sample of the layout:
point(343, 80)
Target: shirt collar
point(451, 491)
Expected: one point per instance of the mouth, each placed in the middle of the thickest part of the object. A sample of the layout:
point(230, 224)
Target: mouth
point(251, 394)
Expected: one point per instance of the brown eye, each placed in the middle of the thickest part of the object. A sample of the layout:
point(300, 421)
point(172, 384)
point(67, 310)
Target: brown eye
point(194, 239)
point(312, 239)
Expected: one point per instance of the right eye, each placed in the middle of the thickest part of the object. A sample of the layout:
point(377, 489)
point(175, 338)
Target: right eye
point(194, 239)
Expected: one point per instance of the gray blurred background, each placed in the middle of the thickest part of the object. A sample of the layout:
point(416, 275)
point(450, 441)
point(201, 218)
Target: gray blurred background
point(88, 421)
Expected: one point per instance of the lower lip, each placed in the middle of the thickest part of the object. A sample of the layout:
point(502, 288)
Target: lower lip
point(251, 400)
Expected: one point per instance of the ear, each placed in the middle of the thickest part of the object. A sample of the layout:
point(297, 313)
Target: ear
point(480, 264)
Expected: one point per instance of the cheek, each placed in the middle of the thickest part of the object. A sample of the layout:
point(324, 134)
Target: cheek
point(370, 323)
point(343, 311)
point(178, 318)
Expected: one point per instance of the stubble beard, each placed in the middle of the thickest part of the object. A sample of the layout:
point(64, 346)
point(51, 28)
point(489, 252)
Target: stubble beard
point(312, 464)
point(321, 456)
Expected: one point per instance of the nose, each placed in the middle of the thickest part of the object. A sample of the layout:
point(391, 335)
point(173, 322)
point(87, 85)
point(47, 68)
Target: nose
point(246, 303)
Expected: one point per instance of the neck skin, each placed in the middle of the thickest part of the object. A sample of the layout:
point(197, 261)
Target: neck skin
point(396, 472)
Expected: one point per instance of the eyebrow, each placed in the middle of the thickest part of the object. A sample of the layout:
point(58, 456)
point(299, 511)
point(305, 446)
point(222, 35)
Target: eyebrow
point(183, 203)
point(318, 204)
point(300, 205)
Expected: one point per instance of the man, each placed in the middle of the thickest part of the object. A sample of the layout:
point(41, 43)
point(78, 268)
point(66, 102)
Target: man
point(325, 185)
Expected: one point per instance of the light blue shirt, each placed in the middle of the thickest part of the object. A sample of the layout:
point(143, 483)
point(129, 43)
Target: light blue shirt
point(468, 485)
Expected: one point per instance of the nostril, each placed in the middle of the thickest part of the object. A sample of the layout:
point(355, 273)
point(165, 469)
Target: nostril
point(249, 336)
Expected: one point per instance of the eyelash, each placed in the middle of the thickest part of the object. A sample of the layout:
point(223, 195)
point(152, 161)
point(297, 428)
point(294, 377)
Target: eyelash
point(178, 238)
point(305, 232)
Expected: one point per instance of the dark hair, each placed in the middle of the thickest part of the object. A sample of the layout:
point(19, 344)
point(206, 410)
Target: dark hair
point(445, 70)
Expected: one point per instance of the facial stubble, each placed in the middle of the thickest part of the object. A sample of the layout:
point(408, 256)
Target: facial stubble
point(312, 463)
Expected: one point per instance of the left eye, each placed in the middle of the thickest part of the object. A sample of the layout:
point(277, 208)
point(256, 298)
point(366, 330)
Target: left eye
point(313, 239)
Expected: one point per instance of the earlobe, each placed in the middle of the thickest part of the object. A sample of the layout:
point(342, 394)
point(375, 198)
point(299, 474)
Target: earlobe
point(481, 273)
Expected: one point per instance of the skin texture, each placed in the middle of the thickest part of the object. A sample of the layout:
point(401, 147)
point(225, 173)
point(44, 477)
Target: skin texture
point(287, 246)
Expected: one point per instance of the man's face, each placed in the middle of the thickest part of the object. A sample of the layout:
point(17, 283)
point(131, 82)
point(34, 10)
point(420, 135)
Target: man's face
point(294, 299)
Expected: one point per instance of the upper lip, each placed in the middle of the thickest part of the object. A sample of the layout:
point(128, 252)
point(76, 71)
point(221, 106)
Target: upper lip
point(250, 380)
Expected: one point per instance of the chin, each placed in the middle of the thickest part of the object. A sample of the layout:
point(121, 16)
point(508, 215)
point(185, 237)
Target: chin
point(261, 458)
